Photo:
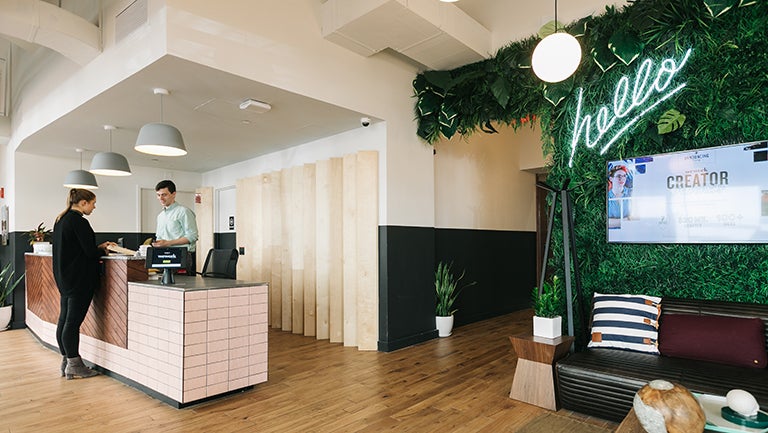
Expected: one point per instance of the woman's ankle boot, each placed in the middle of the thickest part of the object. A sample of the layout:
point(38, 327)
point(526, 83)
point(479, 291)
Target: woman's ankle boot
point(76, 368)
point(63, 364)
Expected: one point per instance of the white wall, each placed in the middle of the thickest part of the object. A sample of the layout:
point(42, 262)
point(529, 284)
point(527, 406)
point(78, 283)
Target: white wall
point(40, 195)
point(480, 184)
point(370, 138)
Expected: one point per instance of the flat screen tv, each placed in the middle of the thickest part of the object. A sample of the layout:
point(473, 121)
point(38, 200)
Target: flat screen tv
point(167, 259)
point(711, 195)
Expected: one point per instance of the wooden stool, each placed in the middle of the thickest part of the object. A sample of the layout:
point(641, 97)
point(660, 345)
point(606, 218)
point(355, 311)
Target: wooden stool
point(535, 376)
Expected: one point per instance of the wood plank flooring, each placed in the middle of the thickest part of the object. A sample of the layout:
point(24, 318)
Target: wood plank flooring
point(455, 384)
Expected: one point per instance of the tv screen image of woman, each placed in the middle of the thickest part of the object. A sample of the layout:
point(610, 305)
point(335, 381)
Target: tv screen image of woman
point(619, 193)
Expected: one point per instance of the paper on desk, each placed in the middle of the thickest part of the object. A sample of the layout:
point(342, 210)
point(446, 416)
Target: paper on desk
point(121, 250)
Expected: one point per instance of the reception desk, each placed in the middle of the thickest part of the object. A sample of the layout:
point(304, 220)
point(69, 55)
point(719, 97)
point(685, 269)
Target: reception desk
point(184, 343)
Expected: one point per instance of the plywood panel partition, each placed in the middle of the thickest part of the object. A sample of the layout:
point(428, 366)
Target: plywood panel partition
point(316, 228)
point(285, 250)
point(245, 226)
point(328, 281)
point(367, 198)
point(275, 232)
point(203, 209)
point(308, 233)
point(349, 246)
point(296, 235)
point(270, 209)
point(322, 248)
point(336, 252)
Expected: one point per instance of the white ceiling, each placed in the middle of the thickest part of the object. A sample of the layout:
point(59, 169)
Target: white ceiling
point(204, 105)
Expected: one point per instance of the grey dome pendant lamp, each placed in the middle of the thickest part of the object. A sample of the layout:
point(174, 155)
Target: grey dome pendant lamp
point(80, 178)
point(160, 138)
point(110, 163)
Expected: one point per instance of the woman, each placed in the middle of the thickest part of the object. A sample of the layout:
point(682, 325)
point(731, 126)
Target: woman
point(76, 270)
point(618, 193)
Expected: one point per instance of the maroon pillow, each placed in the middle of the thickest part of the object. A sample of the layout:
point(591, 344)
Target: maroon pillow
point(727, 340)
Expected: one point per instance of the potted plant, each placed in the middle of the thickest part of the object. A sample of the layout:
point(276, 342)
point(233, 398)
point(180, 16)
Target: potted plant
point(40, 239)
point(7, 286)
point(547, 309)
point(447, 290)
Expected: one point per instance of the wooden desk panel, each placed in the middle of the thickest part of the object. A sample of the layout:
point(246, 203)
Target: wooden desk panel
point(107, 319)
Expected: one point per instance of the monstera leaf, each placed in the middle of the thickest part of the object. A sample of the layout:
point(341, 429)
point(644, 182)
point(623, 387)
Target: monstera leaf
point(550, 28)
point(603, 57)
point(501, 91)
point(449, 120)
point(428, 103)
point(626, 46)
point(670, 121)
point(718, 7)
point(556, 92)
point(440, 79)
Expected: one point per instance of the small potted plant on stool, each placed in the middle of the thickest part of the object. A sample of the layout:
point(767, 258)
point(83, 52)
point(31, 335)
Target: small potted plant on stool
point(547, 309)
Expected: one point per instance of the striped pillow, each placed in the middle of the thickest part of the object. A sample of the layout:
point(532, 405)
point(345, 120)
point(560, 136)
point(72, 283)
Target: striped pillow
point(629, 322)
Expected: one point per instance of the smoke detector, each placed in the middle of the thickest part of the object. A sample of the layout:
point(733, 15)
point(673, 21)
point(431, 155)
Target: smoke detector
point(255, 106)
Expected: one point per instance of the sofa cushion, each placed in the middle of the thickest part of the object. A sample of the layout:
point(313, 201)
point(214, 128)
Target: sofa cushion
point(729, 340)
point(627, 322)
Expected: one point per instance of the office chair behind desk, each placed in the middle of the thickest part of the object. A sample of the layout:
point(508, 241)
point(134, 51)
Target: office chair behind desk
point(221, 263)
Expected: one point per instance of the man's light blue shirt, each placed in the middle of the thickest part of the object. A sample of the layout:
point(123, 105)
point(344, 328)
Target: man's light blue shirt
point(177, 221)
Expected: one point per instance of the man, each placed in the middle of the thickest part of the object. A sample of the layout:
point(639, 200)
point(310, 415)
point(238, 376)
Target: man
point(176, 224)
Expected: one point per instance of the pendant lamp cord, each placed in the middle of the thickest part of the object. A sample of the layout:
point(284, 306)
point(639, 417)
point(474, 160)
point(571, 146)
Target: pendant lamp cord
point(110, 140)
point(161, 108)
point(555, 16)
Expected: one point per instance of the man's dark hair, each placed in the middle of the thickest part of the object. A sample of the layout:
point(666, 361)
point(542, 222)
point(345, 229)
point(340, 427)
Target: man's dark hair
point(166, 184)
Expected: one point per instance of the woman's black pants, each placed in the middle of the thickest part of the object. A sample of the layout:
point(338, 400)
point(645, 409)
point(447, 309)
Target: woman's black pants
point(73, 311)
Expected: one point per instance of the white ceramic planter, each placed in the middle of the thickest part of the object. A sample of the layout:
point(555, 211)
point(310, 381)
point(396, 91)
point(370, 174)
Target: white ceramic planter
point(444, 325)
point(5, 317)
point(547, 327)
point(42, 248)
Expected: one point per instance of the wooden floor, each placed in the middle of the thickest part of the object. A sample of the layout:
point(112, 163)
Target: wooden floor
point(455, 384)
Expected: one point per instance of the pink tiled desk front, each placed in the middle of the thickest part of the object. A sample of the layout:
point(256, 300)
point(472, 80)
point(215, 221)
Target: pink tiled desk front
point(199, 338)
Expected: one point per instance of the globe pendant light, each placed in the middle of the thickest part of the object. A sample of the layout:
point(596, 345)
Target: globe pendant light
point(80, 178)
point(110, 163)
point(557, 56)
point(160, 138)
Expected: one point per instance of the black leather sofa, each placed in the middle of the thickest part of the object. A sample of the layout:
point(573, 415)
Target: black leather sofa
point(603, 382)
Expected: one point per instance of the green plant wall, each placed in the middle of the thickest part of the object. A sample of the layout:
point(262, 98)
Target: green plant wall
point(725, 101)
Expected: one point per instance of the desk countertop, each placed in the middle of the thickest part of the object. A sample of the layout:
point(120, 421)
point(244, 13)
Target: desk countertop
point(185, 283)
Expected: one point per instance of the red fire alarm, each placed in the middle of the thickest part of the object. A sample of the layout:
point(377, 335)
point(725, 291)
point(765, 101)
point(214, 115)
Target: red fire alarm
point(2, 192)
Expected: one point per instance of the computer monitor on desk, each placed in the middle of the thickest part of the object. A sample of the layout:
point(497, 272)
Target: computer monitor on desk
point(167, 259)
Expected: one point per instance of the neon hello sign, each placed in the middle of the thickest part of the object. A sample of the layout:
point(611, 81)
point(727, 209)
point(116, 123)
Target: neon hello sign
point(628, 106)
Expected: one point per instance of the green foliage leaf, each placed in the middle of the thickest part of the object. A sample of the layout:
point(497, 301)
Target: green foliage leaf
point(439, 79)
point(7, 283)
point(448, 121)
point(603, 57)
point(550, 28)
point(718, 7)
point(501, 90)
point(556, 92)
point(670, 121)
point(428, 103)
point(626, 46)
point(549, 301)
point(447, 289)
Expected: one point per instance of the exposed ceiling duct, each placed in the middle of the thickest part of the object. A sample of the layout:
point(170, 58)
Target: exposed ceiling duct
point(434, 34)
point(44, 24)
